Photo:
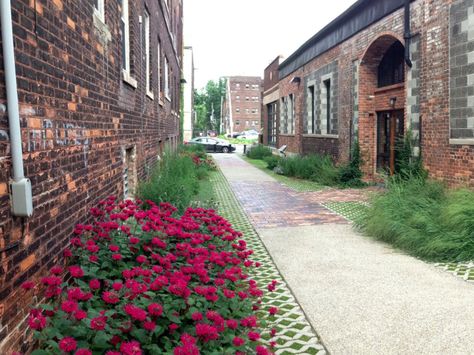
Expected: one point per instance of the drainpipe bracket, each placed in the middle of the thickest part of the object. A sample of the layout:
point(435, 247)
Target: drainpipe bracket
point(22, 199)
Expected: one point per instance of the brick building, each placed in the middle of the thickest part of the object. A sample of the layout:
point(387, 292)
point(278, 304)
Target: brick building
point(372, 76)
point(270, 103)
point(98, 89)
point(242, 104)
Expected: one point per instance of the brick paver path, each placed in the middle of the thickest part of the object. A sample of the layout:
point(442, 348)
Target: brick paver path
point(271, 204)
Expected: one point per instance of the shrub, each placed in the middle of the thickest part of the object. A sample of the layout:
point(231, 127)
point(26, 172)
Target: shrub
point(147, 281)
point(406, 164)
point(349, 175)
point(424, 219)
point(272, 161)
point(311, 167)
point(259, 152)
point(173, 180)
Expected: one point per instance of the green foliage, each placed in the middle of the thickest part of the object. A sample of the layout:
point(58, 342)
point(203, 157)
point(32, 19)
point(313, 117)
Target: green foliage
point(424, 219)
point(350, 174)
point(259, 152)
point(207, 103)
point(313, 167)
point(173, 180)
point(407, 165)
point(272, 161)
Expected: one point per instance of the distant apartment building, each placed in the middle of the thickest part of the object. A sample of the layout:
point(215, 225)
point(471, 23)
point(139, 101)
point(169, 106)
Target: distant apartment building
point(98, 88)
point(188, 93)
point(242, 104)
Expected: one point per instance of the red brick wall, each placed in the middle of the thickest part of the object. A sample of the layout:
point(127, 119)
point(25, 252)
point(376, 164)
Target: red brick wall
point(77, 115)
point(270, 86)
point(430, 20)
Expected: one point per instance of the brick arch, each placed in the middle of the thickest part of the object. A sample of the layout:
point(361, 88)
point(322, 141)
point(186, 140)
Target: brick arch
point(370, 98)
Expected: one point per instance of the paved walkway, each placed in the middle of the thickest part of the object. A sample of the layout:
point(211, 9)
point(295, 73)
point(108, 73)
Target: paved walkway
point(361, 296)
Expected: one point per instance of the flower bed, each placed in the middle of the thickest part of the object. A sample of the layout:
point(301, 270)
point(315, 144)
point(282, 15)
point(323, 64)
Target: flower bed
point(148, 281)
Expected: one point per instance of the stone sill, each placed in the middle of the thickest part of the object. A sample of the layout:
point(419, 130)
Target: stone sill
point(466, 141)
point(287, 135)
point(127, 78)
point(331, 136)
point(150, 95)
point(389, 88)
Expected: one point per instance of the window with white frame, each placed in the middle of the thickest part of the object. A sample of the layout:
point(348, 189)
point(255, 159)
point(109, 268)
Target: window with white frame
point(167, 79)
point(125, 30)
point(99, 9)
point(160, 72)
point(148, 71)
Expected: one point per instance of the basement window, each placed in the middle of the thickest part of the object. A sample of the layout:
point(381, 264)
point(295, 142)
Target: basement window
point(129, 173)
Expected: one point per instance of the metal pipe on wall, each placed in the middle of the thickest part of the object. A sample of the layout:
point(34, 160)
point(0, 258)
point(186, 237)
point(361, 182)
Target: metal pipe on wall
point(407, 34)
point(22, 201)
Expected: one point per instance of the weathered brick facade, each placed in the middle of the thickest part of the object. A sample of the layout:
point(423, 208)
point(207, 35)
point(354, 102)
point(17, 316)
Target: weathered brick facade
point(435, 99)
point(83, 127)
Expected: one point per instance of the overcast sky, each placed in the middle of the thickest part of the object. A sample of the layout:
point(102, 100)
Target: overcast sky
point(241, 37)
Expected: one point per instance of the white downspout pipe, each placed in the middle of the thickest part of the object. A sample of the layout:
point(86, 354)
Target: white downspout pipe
point(20, 187)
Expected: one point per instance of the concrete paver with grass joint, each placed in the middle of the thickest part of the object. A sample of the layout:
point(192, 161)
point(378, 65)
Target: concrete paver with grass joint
point(361, 296)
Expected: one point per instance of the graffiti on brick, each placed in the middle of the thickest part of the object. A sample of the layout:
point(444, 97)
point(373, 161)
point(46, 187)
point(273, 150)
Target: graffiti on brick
point(53, 134)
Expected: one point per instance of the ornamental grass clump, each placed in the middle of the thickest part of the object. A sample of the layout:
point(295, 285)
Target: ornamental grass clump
point(423, 218)
point(150, 282)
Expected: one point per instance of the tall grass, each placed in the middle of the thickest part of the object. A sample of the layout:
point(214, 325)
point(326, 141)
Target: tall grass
point(173, 180)
point(311, 167)
point(424, 219)
point(259, 152)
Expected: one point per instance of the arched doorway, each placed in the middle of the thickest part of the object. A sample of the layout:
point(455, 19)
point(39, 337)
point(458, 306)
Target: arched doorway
point(382, 98)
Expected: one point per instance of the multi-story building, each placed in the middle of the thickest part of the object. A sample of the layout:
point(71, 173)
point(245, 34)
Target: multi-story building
point(380, 70)
point(242, 104)
point(188, 93)
point(98, 88)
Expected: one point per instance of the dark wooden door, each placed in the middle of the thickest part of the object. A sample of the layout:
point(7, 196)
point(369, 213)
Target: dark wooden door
point(390, 128)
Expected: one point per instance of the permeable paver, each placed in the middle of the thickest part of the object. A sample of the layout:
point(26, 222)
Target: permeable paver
point(294, 333)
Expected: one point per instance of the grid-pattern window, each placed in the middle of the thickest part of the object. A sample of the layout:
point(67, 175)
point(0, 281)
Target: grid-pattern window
point(148, 71)
point(272, 112)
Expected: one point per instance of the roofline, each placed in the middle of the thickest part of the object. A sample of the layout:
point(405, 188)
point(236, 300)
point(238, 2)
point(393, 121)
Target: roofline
point(337, 24)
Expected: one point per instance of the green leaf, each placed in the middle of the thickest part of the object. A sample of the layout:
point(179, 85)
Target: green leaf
point(140, 334)
point(101, 340)
point(40, 352)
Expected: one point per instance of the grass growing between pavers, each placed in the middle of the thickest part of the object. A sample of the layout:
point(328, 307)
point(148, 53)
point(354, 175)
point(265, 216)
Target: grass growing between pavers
point(294, 333)
point(351, 210)
point(293, 183)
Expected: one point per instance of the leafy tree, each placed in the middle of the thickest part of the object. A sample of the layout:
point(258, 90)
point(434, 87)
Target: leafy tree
point(207, 104)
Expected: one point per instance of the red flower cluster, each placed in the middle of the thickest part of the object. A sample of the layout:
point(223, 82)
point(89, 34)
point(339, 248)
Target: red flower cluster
point(144, 280)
